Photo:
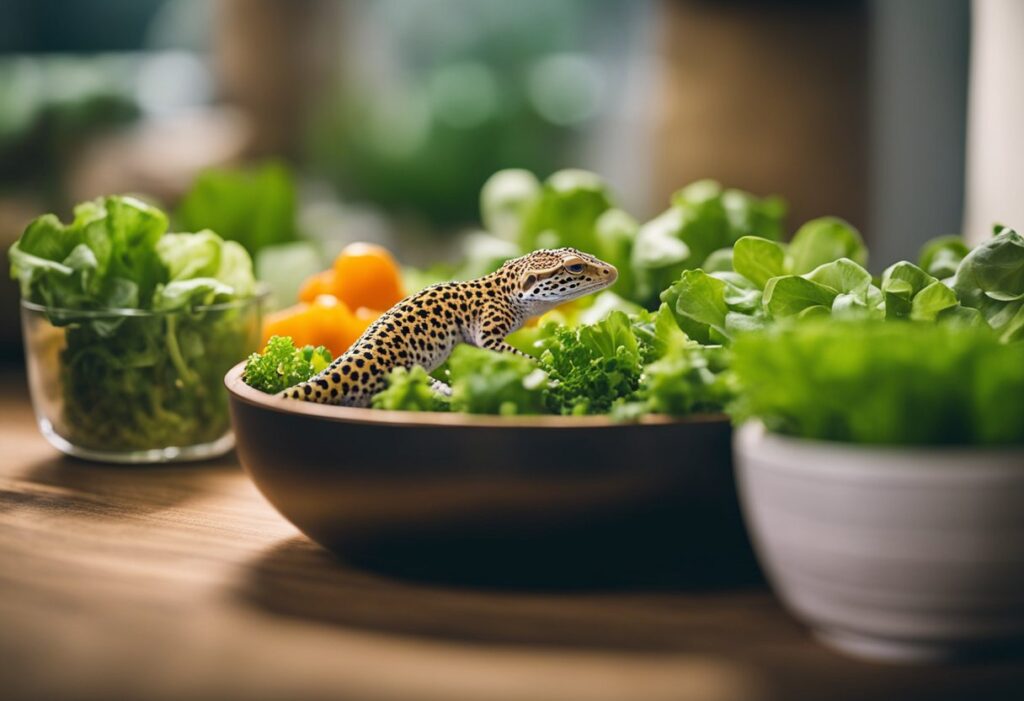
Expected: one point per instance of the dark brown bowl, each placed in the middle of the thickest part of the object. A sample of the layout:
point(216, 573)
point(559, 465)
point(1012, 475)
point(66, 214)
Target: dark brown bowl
point(490, 497)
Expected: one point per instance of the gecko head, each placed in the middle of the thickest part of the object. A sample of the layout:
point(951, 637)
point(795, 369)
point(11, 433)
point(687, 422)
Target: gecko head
point(544, 279)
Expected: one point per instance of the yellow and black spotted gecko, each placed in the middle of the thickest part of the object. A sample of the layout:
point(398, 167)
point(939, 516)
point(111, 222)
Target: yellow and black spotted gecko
point(424, 328)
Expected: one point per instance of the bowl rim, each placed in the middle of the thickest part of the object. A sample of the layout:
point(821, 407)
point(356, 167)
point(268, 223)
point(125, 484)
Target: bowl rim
point(259, 295)
point(237, 389)
point(798, 454)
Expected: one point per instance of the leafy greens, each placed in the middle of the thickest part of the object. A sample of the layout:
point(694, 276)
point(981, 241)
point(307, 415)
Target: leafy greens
point(716, 263)
point(991, 279)
point(703, 220)
point(150, 377)
point(869, 381)
point(281, 365)
point(256, 207)
point(626, 365)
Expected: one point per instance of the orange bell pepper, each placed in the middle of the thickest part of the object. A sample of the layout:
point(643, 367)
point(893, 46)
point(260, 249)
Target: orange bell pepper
point(366, 275)
point(316, 285)
point(327, 321)
point(364, 278)
point(296, 322)
point(367, 316)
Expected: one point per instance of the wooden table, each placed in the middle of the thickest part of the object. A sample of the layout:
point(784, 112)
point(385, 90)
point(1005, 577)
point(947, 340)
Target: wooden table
point(182, 583)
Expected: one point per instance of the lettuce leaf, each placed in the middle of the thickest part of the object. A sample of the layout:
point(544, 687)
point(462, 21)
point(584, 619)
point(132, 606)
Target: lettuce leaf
point(105, 258)
point(410, 389)
point(704, 218)
point(821, 241)
point(505, 202)
point(685, 380)
point(941, 256)
point(566, 212)
point(256, 208)
point(713, 307)
point(487, 382)
point(991, 279)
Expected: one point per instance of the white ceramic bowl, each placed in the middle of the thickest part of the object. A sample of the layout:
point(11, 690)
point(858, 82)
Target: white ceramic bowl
point(899, 554)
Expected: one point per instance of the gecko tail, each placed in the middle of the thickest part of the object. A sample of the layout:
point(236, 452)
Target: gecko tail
point(310, 391)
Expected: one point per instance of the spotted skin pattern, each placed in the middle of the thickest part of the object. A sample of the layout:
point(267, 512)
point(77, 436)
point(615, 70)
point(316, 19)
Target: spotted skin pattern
point(424, 328)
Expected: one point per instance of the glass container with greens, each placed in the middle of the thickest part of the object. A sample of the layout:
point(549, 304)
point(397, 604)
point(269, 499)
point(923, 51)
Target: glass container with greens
point(129, 331)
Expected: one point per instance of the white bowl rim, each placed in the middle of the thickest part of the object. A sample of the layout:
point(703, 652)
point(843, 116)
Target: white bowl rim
point(803, 456)
point(237, 388)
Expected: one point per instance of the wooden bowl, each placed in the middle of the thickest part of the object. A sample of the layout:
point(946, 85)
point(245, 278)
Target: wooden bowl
point(494, 498)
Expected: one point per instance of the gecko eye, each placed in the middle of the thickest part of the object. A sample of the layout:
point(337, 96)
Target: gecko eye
point(575, 268)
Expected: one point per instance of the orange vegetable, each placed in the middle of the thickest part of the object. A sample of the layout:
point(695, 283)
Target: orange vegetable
point(366, 275)
point(327, 321)
point(295, 322)
point(316, 285)
point(365, 278)
point(367, 315)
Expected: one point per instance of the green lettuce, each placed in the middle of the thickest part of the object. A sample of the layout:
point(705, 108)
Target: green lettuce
point(768, 281)
point(105, 258)
point(990, 279)
point(614, 234)
point(686, 380)
point(680, 376)
point(912, 293)
point(256, 207)
point(487, 382)
point(506, 200)
point(704, 218)
point(941, 256)
point(482, 382)
point(821, 241)
point(626, 365)
point(566, 212)
point(571, 208)
point(575, 208)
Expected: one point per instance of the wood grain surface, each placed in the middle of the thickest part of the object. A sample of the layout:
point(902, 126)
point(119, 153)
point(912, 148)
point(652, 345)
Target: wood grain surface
point(182, 583)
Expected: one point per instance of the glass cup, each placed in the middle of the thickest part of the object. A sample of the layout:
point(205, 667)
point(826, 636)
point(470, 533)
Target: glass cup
point(137, 386)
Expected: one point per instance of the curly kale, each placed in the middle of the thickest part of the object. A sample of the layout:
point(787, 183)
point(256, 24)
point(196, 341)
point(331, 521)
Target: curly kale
point(590, 367)
point(281, 365)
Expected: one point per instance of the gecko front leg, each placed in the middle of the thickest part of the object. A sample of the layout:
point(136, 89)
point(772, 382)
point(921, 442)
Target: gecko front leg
point(493, 338)
point(503, 347)
point(440, 388)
